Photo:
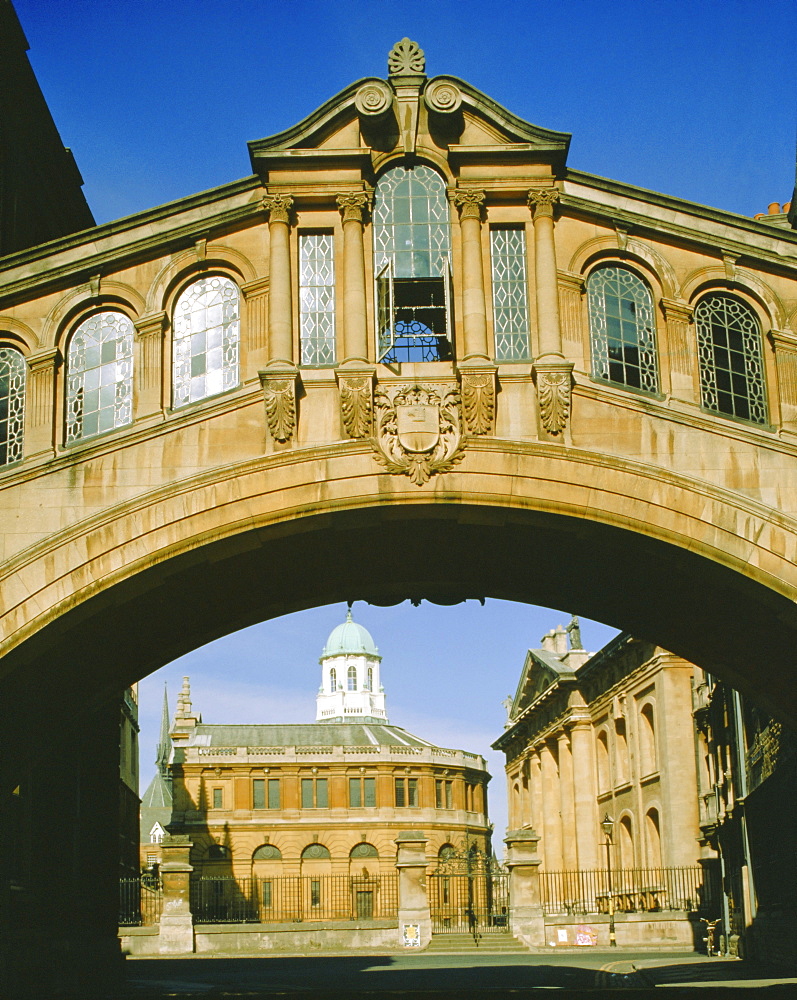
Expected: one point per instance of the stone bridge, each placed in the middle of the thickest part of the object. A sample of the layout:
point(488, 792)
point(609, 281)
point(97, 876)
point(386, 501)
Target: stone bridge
point(414, 355)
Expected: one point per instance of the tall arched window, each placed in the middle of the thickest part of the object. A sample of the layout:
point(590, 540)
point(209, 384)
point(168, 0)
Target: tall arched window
point(333, 680)
point(621, 748)
point(99, 375)
point(369, 679)
point(647, 740)
point(729, 354)
point(622, 328)
point(626, 838)
point(412, 246)
point(12, 404)
point(653, 835)
point(604, 777)
point(205, 339)
point(352, 679)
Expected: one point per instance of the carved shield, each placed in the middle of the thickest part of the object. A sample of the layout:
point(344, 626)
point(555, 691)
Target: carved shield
point(418, 426)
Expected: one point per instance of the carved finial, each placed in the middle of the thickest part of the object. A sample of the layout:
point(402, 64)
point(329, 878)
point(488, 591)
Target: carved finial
point(348, 610)
point(406, 58)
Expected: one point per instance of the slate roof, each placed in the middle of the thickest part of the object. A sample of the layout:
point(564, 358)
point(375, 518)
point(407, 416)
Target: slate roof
point(304, 735)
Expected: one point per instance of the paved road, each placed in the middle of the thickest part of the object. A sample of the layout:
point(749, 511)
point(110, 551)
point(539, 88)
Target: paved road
point(440, 975)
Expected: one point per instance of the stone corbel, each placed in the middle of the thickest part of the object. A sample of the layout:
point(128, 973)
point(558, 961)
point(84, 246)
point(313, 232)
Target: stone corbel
point(554, 381)
point(477, 385)
point(356, 389)
point(279, 394)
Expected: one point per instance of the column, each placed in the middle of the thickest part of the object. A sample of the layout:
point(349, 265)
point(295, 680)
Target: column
point(552, 846)
point(566, 797)
point(584, 784)
point(148, 365)
point(176, 933)
point(526, 920)
point(280, 376)
point(414, 915)
point(40, 401)
point(535, 782)
point(552, 373)
point(355, 375)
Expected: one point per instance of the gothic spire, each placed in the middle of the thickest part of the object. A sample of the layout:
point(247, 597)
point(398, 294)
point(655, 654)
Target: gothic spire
point(164, 743)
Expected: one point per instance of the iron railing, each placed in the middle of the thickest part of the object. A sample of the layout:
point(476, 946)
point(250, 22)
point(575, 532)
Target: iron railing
point(294, 899)
point(140, 902)
point(628, 890)
point(469, 903)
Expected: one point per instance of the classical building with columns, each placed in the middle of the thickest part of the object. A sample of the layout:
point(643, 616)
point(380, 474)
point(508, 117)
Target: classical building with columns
point(326, 797)
point(608, 734)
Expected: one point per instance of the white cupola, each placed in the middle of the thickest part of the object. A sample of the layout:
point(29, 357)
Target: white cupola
point(351, 688)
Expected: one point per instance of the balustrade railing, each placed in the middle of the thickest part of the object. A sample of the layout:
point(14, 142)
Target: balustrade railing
point(628, 890)
point(294, 899)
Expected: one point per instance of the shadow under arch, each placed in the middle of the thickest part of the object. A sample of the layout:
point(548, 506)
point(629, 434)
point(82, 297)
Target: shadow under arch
point(715, 616)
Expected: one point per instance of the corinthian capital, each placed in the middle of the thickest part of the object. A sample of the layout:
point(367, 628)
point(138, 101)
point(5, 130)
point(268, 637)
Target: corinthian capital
point(278, 207)
point(542, 202)
point(469, 203)
point(352, 206)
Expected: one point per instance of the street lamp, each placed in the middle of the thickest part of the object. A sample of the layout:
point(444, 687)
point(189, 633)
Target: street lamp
point(608, 826)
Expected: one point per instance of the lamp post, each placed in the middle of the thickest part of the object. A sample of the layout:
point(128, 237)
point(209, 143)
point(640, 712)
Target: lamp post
point(607, 826)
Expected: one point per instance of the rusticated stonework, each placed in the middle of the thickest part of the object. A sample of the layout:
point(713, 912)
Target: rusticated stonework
point(356, 404)
point(418, 431)
point(478, 401)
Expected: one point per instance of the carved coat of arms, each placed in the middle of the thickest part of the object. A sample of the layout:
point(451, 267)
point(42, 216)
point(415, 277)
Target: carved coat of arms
point(418, 431)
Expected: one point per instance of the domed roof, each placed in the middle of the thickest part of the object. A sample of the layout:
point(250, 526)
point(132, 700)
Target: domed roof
point(350, 638)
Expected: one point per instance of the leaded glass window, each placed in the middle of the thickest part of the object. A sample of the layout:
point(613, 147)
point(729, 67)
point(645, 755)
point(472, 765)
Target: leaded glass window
point(510, 296)
point(412, 245)
point(317, 298)
point(99, 376)
point(622, 329)
point(352, 679)
point(206, 337)
point(12, 404)
point(729, 353)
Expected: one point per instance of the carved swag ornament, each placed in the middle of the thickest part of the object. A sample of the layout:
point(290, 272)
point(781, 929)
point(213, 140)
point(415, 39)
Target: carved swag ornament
point(418, 432)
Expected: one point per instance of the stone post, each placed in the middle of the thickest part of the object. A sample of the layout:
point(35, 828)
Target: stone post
point(148, 365)
point(176, 923)
point(40, 403)
point(355, 375)
point(280, 377)
point(414, 916)
point(552, 373)
point(526, 920)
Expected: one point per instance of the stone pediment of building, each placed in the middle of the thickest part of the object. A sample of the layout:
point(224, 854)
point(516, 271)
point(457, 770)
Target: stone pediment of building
point(540, 674)
point(374, 119)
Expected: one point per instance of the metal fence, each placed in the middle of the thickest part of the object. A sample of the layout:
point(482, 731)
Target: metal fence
point(294, 899)
point(140, 902)
point(629, 890)
point(462, 903)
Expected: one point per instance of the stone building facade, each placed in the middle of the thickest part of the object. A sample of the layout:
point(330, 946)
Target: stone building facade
point(604, 734)
point(328, 797)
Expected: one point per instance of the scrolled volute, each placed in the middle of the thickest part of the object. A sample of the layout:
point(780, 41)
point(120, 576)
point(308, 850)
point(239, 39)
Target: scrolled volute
point(443, 96)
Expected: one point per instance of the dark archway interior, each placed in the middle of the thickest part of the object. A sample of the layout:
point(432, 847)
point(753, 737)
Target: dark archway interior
point(709, 614)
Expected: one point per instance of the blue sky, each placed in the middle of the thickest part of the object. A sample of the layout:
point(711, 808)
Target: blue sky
point(157, 100)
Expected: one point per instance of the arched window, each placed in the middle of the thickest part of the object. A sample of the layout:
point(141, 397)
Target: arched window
point(622, 328)
point(99, 375)
point(446, 851)
point(315, 852)
point(205, 340)
point(12, 404)
point(729, 354)
point(621, 746)
point(412, 246)
point(626, 839)
point(267, 852)
point(217, 852)
point(604, 776)
point(647, 740)
point(363, 850)
point(333, 680)
point(653, 834)
point(369, 679)
point(352, 679)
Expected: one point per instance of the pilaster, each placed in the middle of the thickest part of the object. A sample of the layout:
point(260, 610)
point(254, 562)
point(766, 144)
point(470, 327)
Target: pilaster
point(784, 343)
point(571, 293)
point(567, 803)
point(526, 919)
point(148, 365)
point(681, 351)
point(254, 354)
point(40, 404)
point(415, 918)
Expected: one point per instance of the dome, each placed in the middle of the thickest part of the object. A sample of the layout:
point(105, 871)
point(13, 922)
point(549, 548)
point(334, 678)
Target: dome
point(350, 638)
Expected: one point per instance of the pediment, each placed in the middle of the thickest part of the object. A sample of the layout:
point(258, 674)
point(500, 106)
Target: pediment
point(536, 678)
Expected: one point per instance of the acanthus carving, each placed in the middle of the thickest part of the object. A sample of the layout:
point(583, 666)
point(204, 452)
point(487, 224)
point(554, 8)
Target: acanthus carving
point(542, 201)
point(478, 401)
point(280, 398)
point(353, 205)
point(469, 203)
point(418, 432)
point(278, 207)
point(554, 394)
point(406, 58)
point(356, 405)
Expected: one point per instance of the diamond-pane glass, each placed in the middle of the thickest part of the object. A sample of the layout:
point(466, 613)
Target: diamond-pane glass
point(729, 354)
point(510, 297)
point(622, 329)
point(12, 404)
point(317, 299)
point(411, 222)
point(99, 376)
point(206, 336)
